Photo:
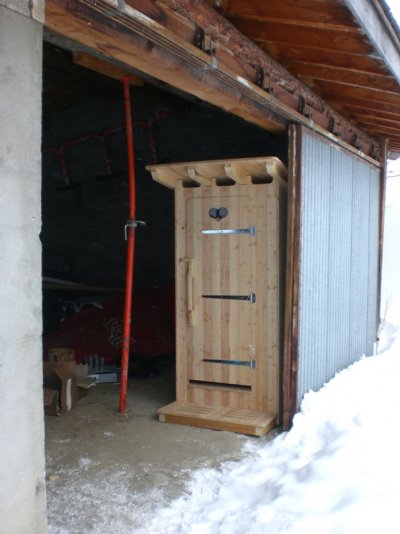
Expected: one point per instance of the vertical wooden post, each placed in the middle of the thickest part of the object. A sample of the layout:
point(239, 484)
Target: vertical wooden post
point(382, 198)
point(290, 349)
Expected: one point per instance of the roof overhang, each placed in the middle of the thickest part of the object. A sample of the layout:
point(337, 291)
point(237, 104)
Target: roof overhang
point(348, 52)
point(226, 59)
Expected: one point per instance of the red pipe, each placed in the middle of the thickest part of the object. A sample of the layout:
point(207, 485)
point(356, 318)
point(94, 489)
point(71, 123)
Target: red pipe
point(130, 254)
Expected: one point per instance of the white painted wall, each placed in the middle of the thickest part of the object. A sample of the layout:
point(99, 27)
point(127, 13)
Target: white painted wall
point(22, 490)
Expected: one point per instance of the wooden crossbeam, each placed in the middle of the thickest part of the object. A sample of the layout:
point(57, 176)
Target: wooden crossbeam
point(242, 171)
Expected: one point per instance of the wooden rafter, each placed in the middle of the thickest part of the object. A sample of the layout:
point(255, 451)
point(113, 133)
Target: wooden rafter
point(347, 76)
point(328, 44)
point(318, 41)
point(343, 91)
point(323, 39)
point(306, 11)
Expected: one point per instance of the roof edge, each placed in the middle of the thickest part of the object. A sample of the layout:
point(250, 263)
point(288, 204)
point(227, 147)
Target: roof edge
point(378, 25)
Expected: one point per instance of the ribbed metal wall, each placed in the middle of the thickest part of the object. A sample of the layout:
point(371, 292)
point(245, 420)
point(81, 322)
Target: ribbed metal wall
point(338, 261)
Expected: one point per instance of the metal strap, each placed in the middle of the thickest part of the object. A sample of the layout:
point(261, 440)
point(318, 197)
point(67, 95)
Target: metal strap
point(251, 297)
point(232, 231)
point(243, 363)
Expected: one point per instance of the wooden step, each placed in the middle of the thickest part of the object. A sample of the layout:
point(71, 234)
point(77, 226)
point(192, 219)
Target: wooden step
point(232, 420)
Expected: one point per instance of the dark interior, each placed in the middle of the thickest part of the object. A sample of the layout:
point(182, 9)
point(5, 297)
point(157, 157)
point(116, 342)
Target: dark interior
point(85, 181)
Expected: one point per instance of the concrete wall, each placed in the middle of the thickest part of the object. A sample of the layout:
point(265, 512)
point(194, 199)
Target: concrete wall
point(22, 491)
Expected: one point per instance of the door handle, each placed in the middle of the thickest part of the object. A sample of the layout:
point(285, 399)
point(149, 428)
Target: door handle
point(190, 290)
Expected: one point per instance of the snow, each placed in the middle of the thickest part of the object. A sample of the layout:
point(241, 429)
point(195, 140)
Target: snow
point(336, 472)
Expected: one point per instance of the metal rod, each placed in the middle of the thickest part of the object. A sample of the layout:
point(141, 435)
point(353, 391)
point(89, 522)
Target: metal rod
point(130, 253)
point(236, 231)
point(244, 363)
point(251, 297)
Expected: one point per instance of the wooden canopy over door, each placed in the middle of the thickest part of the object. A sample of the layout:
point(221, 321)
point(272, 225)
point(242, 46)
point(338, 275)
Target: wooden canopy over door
point(227, 292)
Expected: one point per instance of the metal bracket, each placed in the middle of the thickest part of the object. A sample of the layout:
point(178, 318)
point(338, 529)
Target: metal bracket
point(132, 224)
point(200, 41)
point(375, 152)
point(332, 127)
point(260, 75)
point(354, 142)
point(302, 108)
point(260, 79)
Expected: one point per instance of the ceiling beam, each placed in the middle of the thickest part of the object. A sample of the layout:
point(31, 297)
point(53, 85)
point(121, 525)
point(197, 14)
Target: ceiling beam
point(388, 130)
point(304, 11)
point(371, 119)
point(288, 20)
point(324, 39)
point(131, 35)
point(136, 42)
point(372, 18)
point(335, 60)
point(341, 91)
point(366, 106)
point(350, 77)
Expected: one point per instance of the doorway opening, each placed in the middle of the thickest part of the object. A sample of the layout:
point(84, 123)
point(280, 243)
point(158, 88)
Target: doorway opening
point(85, 195)
point(85, 206)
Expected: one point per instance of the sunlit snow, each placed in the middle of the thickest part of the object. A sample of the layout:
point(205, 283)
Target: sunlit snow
point(336, 472)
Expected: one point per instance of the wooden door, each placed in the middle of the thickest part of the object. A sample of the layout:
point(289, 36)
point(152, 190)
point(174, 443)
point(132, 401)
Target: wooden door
point(228, 258)
point(220, 238)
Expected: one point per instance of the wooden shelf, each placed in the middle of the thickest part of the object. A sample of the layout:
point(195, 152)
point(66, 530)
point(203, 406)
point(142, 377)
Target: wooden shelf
point(241, 421)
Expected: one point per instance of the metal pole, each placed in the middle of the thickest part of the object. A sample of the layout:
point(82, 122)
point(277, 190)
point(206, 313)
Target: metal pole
point(130, 253)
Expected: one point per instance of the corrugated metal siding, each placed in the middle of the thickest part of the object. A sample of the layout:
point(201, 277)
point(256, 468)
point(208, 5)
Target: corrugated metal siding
point(339, 262)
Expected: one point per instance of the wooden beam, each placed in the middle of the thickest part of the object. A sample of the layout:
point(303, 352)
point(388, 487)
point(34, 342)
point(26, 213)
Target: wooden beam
point(119, 32)
point(133, 40)
point(331, 88)
point(380, 129)
point(292, 284)
point(382, 202)
point(304, 11)
point(199, 177)
point(291, 55)
point(237, 174)
point(105, 67)
point(226, 36)
point(240, 170)
point(370, 118)
point(380, 32)
point(347, 76)
point(289, 21)
point(350, 103)
point(318, 38)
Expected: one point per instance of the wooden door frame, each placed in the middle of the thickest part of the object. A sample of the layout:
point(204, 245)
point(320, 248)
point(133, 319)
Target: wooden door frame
point(291, 319)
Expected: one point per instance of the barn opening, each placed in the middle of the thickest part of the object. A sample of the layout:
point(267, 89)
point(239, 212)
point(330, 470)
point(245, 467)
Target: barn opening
point(85, 206)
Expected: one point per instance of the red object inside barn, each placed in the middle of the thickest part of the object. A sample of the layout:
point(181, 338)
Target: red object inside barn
point(98, 330)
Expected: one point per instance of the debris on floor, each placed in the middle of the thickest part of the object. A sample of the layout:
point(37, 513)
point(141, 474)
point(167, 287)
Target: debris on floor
point(64, 381)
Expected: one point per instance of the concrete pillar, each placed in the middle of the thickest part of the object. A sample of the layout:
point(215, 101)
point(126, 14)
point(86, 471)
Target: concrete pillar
point(22, 490)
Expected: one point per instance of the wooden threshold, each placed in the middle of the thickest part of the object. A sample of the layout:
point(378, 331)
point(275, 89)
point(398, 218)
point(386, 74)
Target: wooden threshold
point(231, 420)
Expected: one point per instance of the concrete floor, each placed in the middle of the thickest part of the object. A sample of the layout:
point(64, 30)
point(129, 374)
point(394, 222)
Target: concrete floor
point(107, 472)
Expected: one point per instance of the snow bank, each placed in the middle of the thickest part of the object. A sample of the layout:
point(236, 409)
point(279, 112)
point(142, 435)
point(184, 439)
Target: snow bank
point(336, 472)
